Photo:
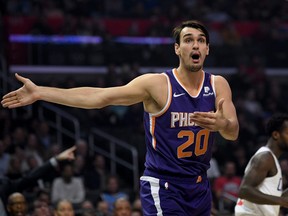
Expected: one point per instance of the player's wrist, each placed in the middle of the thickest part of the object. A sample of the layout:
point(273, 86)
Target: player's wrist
point(39, 93)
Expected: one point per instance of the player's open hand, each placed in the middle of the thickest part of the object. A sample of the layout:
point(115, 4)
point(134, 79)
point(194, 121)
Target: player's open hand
point(23, 96)
point(213, 121)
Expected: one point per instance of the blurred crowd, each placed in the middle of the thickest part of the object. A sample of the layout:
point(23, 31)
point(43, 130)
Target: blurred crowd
point(238, 30)
point(219, 10)
point(85, 186)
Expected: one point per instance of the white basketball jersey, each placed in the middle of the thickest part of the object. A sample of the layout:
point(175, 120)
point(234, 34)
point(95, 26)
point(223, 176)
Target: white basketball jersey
point(270, 185)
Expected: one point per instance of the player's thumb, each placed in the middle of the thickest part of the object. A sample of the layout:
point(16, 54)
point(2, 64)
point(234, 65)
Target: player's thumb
point(20, 78)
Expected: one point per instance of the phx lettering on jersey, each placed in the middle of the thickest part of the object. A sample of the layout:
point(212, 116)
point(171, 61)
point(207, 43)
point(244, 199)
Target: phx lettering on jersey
point(181, 119)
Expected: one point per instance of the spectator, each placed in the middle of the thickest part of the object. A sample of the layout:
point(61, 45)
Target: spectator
point(226, 187)
point(79, 166)
point(9, 186)
point(103, 208)
point(4, 159)
point(14, 169)
point(44, 195)
point(112, 192)
point(137, 207)
point(96, 176)
point(19, 136)
point(136, 212)
point(17, 204)
point(68, 187)
point(137, 203)
point(83, 150)
point(64, 208)
point(41, 208)
point(44, 135)
point(33, 148)
point(87, 208)
point(122, 207)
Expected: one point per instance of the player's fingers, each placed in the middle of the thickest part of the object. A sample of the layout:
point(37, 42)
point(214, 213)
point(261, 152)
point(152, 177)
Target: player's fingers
point(12, 98)
point(199, 115)
point(203, 121)
point(14, 105)
point(11, 94)
point(9, 101)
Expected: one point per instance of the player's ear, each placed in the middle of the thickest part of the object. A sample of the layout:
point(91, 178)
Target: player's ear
point(177, 48)
point(275, 135)
point(207, 51)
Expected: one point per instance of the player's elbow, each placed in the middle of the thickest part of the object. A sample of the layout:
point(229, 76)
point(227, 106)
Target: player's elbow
point(234, 136)
point(231, 135)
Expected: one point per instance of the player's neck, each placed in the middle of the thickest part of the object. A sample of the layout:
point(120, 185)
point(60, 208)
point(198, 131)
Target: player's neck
point(274, 148)
point(191, 80)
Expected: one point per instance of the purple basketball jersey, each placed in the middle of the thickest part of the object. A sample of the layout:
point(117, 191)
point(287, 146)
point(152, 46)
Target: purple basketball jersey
point(178, 151)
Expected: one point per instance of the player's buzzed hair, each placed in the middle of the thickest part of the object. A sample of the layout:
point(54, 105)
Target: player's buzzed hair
point(276, 123)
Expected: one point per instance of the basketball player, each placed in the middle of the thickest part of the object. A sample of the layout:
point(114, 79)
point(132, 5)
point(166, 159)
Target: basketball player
point(184, 107)
point(261, 188)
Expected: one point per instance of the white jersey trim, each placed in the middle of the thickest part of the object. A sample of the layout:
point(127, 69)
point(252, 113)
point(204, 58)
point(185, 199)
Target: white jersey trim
point(155, 187)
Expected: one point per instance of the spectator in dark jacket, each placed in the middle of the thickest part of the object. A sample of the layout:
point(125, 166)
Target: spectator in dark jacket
point(8, 186)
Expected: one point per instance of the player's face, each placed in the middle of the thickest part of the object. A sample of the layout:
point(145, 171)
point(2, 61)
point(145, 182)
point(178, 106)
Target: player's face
point(192, 49)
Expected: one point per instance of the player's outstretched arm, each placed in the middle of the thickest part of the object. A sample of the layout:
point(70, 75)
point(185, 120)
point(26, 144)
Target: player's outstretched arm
point(83, 97)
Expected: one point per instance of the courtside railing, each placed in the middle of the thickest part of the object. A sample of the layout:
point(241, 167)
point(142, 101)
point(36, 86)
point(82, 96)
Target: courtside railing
point(121, 154)
point(59, 120)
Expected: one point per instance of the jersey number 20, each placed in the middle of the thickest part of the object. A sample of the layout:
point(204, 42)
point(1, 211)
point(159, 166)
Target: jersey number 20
point(192, 138)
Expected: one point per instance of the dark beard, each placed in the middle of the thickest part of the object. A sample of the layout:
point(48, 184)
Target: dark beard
point(194, 68)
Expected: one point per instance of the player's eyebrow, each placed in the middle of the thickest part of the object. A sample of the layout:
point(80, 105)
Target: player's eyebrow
point(190, 34)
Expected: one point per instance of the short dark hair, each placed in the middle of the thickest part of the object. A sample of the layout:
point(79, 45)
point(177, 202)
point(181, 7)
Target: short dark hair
point(192, 24)
point(276, 123)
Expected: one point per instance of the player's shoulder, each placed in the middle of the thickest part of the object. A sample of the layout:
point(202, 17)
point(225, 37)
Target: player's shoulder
point(219, 78)
point(263, 158)
point(153, 78)
point(154, 75)
point(221, 84)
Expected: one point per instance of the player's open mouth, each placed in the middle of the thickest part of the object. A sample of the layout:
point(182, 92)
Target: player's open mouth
point(195, 57)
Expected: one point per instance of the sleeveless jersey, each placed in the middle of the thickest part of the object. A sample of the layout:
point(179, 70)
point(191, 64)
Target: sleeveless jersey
point(176, 147)
point(270, 185)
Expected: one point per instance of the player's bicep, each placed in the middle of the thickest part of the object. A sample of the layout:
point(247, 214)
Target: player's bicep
point(134, 92)
point(258, 171)
point(223, 90)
